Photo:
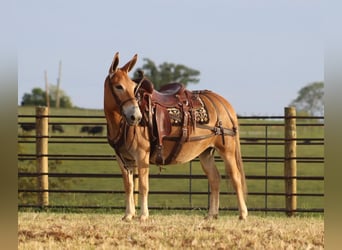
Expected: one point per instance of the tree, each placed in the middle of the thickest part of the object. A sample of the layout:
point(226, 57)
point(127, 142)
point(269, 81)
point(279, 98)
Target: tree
point(64, 100)
point(37, 97)
point(310, 99)
point(168, 72)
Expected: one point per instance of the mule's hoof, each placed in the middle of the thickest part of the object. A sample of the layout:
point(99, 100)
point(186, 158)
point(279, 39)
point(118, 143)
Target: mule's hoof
point(143, 217)
point(128, 218)
point(211, 217)
point(243, 218)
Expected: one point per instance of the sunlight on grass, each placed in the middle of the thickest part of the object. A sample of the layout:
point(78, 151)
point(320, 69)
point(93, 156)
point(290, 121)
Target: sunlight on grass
point(174, 231)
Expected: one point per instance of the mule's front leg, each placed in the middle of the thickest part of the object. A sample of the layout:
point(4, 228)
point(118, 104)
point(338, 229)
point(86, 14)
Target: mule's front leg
point(143, 192)
point(129, 188)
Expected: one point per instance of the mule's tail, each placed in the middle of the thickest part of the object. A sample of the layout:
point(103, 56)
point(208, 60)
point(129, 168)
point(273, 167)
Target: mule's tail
point(239, 163)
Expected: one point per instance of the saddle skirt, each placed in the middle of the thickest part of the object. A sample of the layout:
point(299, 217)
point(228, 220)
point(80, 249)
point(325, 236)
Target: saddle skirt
point(172, 105)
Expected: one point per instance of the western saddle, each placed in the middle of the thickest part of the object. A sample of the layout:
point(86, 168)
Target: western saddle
point(155, 106)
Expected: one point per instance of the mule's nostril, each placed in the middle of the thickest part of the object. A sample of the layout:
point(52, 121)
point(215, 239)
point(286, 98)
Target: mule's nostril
point(132, 117)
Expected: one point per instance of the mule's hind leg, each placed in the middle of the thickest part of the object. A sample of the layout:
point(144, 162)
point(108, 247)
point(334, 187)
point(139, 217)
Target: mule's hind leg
point(208, 166)
point(237, 178)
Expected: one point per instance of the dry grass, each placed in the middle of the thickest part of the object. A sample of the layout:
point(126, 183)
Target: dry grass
point(105, 231)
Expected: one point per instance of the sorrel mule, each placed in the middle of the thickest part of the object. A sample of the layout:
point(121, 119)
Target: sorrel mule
point(140, 130)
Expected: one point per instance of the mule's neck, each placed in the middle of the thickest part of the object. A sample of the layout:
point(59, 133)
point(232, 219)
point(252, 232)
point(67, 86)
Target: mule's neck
point(112, 113)
point(114, 123)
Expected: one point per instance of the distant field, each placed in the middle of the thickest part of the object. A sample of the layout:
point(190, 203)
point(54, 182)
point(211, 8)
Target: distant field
point(174, 231)
point(251, 168)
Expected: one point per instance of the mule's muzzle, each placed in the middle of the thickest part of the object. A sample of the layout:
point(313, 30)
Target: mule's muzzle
point(133, 116)
point(133, 120)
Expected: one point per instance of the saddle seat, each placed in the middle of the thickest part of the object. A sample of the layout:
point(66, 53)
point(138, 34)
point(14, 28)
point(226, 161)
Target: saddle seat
point(167, 96)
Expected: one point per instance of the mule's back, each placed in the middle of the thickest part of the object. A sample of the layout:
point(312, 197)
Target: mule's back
point(175, 117)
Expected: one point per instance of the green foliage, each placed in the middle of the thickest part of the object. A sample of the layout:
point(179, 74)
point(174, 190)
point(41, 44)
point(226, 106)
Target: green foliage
point(168, 72)
point(37, 97)
point(310, 99)
point(27, 183)
point(31, 183)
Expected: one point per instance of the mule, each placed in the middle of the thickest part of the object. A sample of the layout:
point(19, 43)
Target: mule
point(131, 107)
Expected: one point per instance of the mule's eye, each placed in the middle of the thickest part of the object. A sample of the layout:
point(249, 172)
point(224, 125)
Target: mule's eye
point(119, 87)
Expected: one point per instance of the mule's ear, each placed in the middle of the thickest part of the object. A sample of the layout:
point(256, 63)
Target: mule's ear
point(115, 64)
point(128, 66)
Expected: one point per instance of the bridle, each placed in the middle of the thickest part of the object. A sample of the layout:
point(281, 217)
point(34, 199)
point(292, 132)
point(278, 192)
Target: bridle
point(117, 99)
point(121, 137)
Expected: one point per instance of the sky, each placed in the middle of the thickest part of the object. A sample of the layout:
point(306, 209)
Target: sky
point(257, 54)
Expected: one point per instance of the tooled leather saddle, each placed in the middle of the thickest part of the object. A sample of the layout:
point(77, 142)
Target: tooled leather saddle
point(172, 105)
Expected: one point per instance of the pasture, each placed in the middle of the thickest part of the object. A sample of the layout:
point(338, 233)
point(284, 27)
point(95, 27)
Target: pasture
point(250, 152)
point(168, 228)
point(174, 231)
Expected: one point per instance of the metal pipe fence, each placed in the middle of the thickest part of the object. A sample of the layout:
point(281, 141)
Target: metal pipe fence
point(264, 134)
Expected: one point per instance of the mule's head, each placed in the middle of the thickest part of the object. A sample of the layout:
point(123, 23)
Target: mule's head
point(119, 91)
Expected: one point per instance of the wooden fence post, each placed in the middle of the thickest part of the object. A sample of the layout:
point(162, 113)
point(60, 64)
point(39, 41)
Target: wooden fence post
point(290, 165)
point(42, 131)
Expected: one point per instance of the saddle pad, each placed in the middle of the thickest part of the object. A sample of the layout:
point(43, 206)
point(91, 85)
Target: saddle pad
point(176, 116)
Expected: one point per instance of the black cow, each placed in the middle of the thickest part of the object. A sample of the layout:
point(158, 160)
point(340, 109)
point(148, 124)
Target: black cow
point(85, 129)
point(57, 127)
point(95, 130)
point(28, 126)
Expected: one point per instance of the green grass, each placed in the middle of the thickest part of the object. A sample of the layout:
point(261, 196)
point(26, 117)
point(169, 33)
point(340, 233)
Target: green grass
point(226, 201)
